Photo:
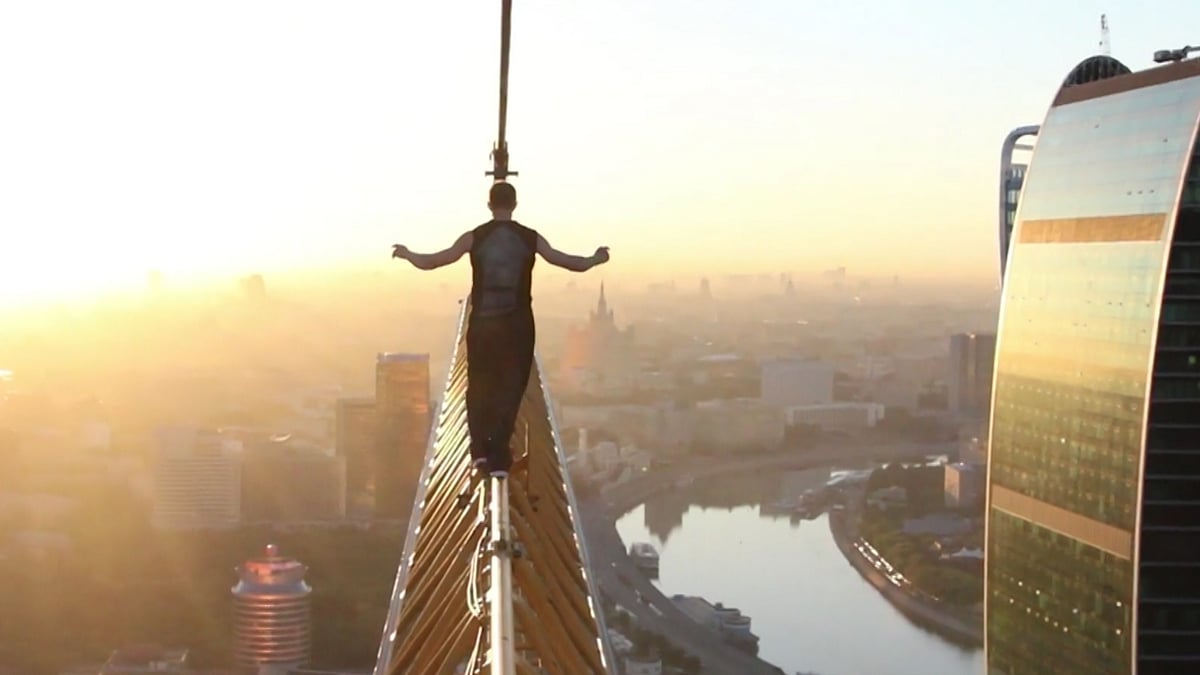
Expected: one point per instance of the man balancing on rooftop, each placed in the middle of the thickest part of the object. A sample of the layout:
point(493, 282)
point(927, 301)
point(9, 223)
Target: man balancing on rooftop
point(500, 329)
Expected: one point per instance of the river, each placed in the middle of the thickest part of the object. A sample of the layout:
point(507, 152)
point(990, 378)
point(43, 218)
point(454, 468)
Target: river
point(810, 608)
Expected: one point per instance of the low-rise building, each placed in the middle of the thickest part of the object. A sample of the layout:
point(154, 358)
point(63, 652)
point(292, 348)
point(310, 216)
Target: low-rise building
point(964, 485)
point(737, 425)
point(844, 416)
point(729, 622)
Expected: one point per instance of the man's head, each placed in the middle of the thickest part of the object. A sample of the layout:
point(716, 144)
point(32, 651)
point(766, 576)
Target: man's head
point(502, 198)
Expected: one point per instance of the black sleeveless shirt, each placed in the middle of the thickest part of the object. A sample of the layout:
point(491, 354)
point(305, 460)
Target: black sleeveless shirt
point(502, 257)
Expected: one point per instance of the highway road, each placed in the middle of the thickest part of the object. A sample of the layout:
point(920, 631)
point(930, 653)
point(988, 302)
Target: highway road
point(609, 559)
point(625, 496)
point(625, 585)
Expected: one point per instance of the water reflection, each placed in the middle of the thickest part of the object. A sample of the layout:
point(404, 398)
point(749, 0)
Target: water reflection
point(811, 610)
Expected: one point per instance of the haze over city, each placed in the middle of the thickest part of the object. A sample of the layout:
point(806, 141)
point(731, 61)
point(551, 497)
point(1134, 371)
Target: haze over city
point(240, 137)
point(793, 392)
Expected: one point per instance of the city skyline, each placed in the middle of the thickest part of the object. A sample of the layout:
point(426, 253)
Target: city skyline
point(270, 139)
point(230, 384)
point(816, 357)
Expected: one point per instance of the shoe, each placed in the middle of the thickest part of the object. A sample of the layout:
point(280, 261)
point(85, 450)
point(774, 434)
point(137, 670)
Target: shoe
point(500, 466)
point(480, 467)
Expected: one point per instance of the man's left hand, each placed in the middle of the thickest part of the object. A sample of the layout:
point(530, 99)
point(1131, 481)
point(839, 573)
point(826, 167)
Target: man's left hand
point(400, 251)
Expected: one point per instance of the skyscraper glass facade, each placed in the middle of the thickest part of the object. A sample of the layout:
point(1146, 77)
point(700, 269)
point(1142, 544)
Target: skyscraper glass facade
point(1077, 342)
point(1012, 178)
point(1169, 551)
point(402, 430)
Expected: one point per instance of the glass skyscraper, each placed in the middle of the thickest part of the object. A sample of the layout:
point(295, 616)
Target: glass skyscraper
point(401, 430)
point(1012, 178)
point(1093, 517)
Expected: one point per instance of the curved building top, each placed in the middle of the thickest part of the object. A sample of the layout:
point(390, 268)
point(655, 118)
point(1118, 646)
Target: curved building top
point(1103, 76)
point(1095, 69)
point(1111, 145)
point(272, 574)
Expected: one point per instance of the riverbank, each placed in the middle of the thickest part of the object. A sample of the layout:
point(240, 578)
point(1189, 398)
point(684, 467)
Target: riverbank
point(623, 497)
point(969, 632)
point(625, 585)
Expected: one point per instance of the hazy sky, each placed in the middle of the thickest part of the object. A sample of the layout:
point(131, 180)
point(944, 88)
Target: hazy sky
point(225, 137)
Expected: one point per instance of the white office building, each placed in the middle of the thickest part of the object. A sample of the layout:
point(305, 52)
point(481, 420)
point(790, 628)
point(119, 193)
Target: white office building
point(197, 480)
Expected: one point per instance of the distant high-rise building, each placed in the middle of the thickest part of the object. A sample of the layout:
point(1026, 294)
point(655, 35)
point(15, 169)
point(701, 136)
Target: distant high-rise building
point(253, 287)
point(272, 616)
point(836, 275)
point(1012, 177)
point(402, 431)
point(599, 358)
point(197, 480)
point(355, 440)
point(969, 380)
point(1093, 517)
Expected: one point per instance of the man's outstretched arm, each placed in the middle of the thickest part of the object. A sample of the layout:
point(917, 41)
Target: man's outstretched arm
point(575, 263)
point(431, 261)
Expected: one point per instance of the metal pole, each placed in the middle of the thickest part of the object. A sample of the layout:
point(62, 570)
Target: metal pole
point(505, 41)
point(500, 153)
point(503, 653)
point(500, 596)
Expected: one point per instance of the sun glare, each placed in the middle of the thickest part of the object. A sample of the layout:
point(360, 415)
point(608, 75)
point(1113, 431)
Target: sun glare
point(31, 278)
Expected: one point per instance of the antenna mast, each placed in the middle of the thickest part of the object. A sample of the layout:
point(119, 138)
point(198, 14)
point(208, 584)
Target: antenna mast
point(1105, 48)
point(500, 170)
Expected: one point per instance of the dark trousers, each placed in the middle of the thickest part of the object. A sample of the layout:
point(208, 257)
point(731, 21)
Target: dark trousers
point(499, 358)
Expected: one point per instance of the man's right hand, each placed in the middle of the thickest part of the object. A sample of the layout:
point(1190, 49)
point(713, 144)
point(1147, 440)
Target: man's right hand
point(400, 251)
point(601, 255)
